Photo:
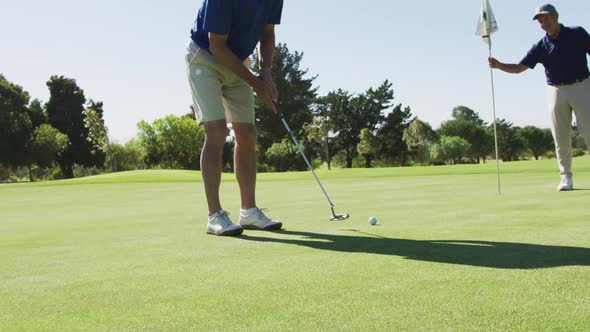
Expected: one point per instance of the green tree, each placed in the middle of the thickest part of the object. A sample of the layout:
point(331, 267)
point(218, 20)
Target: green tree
point(319, 129)
point(467, 124)
point(368, 146)
point(450, 149)
point(341, 121)
point(537, 140)
point(172, 142)
point(65, 111)
point(47, 145)
point(510, 143)
point(16, 128)
point(349, 114)
point(37, 113)
point(125, 157)
point(391, 134)
point(148, 139)
point(480, 142)
point(281, 155)
point(467, 114)
point(418, 137)
point(97, 131)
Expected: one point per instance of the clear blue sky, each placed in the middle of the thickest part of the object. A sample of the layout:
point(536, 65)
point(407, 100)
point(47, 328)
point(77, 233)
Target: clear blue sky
point(129, 54)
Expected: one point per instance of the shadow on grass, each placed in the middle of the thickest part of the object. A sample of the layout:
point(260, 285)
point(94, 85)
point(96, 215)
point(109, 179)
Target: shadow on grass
point(501, 255)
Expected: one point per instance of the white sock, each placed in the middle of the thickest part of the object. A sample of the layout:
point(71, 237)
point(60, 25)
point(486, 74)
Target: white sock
point(245, 213)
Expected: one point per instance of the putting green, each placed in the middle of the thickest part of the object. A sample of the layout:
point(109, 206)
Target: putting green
point(128, 251)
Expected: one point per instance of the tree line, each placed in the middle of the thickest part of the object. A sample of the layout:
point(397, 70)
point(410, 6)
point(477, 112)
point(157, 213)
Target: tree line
point(67, 136)
point(68, 130)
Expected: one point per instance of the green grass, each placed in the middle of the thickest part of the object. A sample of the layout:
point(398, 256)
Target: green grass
point(128, 251)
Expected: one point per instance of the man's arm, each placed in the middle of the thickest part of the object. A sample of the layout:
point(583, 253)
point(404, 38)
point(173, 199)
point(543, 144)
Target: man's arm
point(511, 68)
point(218, 46)
point(267, 49)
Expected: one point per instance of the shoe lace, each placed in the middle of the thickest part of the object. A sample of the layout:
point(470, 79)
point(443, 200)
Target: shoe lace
point(262, 215)
point(224, 219)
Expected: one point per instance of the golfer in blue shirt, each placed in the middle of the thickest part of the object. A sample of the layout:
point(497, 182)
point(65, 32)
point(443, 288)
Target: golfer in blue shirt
point(563, 53)
point(224, 35)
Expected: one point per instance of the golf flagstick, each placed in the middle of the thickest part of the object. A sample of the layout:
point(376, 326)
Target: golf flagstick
point(495, 127)
point(487, 25)
point(334, 217)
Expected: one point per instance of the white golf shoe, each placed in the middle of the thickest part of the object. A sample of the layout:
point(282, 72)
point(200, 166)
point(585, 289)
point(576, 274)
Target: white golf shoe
point(566, 183)
point(219, 224)
point(257, 220)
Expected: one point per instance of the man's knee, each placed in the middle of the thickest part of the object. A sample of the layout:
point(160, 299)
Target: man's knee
point(215, 132)
point(245, 134)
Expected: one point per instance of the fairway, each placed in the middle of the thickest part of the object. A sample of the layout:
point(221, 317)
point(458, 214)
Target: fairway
point(128, 251)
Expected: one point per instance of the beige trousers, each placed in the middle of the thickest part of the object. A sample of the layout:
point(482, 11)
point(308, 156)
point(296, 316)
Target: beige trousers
point(217, 92)
point(561, 101)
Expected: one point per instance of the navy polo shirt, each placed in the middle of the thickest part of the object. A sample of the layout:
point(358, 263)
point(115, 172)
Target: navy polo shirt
point(564, 58)
point(242, 20)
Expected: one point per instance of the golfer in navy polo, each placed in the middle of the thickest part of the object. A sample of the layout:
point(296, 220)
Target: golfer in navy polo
point(225, 34)
point(563, 53)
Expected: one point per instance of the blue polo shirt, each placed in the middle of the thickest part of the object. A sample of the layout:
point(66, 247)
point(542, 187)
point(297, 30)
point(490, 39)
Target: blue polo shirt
point(564, 58)
point(242, 20)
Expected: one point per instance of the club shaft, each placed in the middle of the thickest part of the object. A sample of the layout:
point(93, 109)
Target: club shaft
point(282, 116)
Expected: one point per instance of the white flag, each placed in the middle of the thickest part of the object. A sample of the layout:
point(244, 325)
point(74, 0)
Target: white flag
point(487, 22)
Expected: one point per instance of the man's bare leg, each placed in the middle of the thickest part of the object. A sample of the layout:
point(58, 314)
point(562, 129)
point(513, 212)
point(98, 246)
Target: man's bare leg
point(245, 162)
point(211, 159)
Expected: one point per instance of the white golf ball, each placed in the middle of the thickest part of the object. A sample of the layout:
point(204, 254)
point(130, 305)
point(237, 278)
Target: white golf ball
point(373, 221)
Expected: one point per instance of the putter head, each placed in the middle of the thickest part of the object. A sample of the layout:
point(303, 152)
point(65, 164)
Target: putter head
point(339, 217)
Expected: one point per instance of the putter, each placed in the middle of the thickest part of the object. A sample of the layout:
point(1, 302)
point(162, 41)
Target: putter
point(334, 217)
